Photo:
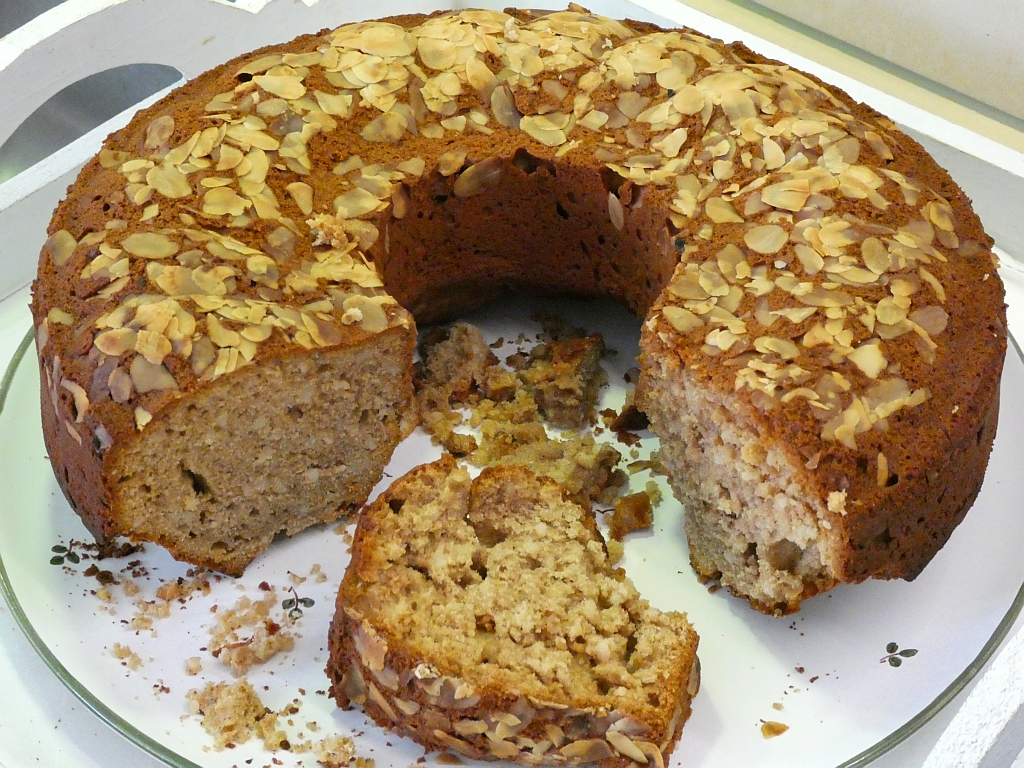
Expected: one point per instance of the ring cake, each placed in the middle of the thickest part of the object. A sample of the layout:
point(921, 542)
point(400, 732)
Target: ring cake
point(225, 304)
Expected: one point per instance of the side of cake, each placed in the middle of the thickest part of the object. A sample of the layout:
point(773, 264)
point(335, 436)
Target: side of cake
point(482, 617)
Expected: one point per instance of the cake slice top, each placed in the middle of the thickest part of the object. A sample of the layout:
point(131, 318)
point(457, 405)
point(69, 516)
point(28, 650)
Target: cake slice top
point(504, 582)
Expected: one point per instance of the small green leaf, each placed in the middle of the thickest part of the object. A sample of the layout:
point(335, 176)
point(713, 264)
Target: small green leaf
point(59, 548)
point(56, 560)
point(73, 557)
point(892, 648)
point(895, 661)
point(306, 602)
point(289, 603)
point(907, 653)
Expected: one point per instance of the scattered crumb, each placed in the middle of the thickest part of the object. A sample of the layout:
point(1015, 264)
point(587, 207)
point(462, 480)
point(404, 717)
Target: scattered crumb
point(777, 706)
point(334, 751)
point(127, 656)
point(267, 640)
point(632, 513)
point(615, 550)
point(233, 714)
point(770, 729)
point(317, 573)
point(193, 666)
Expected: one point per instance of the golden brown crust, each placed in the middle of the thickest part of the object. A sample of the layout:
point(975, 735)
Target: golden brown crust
point(799, 261)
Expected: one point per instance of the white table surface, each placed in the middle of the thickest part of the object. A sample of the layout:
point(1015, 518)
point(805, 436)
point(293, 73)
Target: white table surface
point(43, 724)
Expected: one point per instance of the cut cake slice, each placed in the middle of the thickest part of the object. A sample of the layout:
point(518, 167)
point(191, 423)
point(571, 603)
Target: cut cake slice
point(483, 617)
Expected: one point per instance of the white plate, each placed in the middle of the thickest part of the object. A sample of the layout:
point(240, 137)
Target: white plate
point(821, 672)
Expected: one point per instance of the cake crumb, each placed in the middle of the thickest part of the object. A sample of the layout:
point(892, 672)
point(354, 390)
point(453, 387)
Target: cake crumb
point(193, 666)
point(268, 638)
point(770, 728)
point(127, 656)
point(632, 513)
point(233, 714)
point(334, 751)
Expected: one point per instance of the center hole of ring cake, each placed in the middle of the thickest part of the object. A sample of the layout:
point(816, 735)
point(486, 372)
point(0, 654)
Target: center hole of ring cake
point(522, 223)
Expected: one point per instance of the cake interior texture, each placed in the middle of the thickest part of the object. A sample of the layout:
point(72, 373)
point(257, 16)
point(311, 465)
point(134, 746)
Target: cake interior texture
point(502, 584)
point(285, 446)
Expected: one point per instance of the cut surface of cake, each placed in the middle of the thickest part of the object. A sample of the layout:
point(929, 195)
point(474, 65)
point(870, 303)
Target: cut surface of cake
point(482, 616)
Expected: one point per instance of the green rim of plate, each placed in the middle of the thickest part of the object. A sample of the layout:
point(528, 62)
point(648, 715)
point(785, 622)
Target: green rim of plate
point(101, 710)
point(172, 758)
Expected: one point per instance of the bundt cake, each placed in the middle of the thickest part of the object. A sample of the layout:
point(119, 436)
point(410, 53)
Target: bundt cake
point(225, 304)
point(483, 617)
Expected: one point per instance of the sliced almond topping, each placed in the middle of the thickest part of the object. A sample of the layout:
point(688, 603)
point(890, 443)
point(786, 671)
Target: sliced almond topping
point(60, 245)
point(790, 195)
point(285, 86)
point(159, 132)
point(388, 127)
point(302, 194)
point(451, 162)
point(356, 202)
point(478, 177)
point(869, 359)
point(168, 181)
point(149, 377)
point(616, 212)
point(932, 320)
point(721, 211)
point(224, 201)
point(681, 319)
point(150, 245)
point(766, 238)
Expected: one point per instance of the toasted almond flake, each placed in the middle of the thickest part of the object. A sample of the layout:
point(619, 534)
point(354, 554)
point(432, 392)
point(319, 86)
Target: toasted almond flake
point(60, 246)
point(437, 54)
point(355, 203)
point(451, 162)
point(883, 470)
point(302, 194)
point(503, 107)
point(478, 74)
point(168, 181)
point(538, 128)
point(790, 195)
point(366, 312)
point(932, 320)
point(388, 127)
point(149, 377)
point(869, 359)
point(721, 211)
point(616, 212)
point(928, 277)
point(478, 177)
point(766, 238)
point(224, 201)
point(150, 245)
point(689, 100)
point(782, 347)
point(625, 746)
point(594, 120)
point(285, 86)
point(159, 132)
point(681, 319)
